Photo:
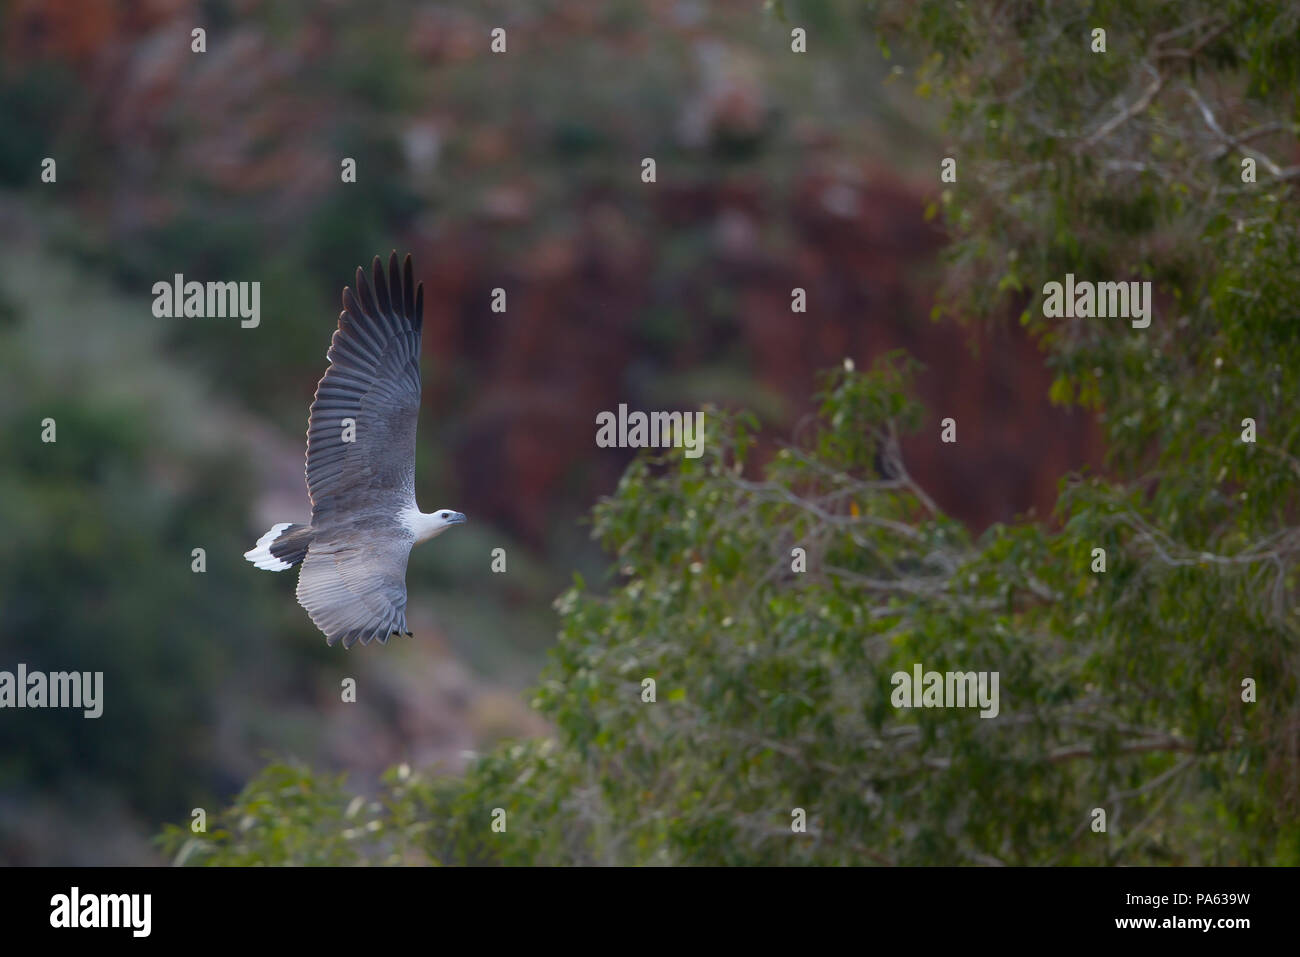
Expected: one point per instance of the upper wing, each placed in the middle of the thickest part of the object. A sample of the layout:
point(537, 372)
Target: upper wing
point(361, 432)
point(353, 584)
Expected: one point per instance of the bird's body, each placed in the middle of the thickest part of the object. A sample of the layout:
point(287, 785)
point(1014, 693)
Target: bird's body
point(361, 469)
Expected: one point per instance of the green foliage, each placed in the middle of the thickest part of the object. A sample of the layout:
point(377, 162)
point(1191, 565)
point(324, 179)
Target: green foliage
point(289, 816)
point(773, 691)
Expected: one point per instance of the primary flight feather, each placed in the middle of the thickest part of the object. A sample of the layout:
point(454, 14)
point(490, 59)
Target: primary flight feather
point(361, 468)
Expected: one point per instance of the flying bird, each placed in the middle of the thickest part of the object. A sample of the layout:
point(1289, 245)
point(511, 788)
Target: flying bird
point(361, 469)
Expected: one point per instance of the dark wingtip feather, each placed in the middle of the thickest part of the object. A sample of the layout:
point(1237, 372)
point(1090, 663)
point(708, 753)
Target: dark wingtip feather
point(395, 289)
point(350, 304)
point(381, 288)
point(408, 290)
point(365, 296)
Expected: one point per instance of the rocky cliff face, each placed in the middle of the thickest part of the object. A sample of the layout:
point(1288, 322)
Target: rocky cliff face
point(579, 337)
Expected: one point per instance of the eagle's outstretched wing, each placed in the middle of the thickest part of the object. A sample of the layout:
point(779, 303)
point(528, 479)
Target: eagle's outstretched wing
point(353, 583)
point(361, 461)
point(361, 432)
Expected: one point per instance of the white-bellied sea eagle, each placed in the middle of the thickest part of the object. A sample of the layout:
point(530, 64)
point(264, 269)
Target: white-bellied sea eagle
point(361, 469)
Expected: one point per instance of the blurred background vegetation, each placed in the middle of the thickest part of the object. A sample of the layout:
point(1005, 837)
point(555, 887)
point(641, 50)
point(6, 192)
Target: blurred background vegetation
point(775, 170)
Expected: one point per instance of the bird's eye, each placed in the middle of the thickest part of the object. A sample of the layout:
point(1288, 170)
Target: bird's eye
point(443, 515)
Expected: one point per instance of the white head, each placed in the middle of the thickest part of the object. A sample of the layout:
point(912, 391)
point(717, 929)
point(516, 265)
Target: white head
point(445, 518)
point(427, 525)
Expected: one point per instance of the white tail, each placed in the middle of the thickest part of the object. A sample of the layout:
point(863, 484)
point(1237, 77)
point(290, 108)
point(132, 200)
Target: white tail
point(284, 546)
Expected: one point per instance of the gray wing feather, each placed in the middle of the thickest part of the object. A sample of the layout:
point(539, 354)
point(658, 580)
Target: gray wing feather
point(373, 380)
point(354, 586)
